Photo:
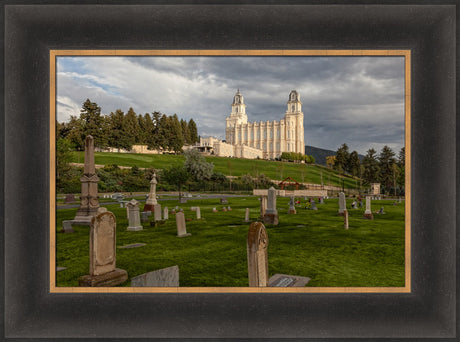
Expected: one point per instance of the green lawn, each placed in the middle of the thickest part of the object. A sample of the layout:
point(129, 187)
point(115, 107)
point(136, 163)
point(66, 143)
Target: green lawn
point(311, 244)
point(228, 166)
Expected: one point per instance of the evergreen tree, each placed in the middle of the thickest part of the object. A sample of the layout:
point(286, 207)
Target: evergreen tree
point(148, 130)
point(341, 159)
point(401, 162)
point(131, 128)
point(92, 123)
point(176, 141)
point(193, 131)
point(142, 135)
point(117, 136)
point(354, 163)
point(163, 133)
point(185, 132)
point(386, 161)
point(371, 167)
point(76, 135)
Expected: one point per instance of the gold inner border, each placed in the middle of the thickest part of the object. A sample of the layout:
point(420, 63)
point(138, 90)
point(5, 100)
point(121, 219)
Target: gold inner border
point(307, 53)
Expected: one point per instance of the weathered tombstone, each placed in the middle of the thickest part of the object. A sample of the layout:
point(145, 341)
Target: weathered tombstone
point(353, 205)
point(368, 213)
point(180, 224)
point(321, 200)
point(165, 213)
point(399, 200)
point(183, 200)
point(70, 198)
point(291, 206)
point(134, 219)
point(223, 200)
point(381, 211)
point(345, 219)
point(263, 205)
point(342, 203)
point(145, 216)
point(229, 208)
point(286, 280)
point(67, 226)
point(157, 212)
point(214, 210)
point(224, 209)
point(271, 214)
point(88, 198)
point(152, 199)
point(246, 216)
point(313, 205)
point(360, 203)
point(102, 257)
point(165, 277)
point(198, 212)
point(257, 244)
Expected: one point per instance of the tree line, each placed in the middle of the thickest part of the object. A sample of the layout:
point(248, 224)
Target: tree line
point(385, 168)
point(123, 130)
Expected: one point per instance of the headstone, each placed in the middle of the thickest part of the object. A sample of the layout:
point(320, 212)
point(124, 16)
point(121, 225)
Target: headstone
point(183, 200)
point(257, 244)
point(145, 216)
point(157, 212)
point(291, 206)
point(180, 224)
point(70, 198)
point(263, 205)
point(198, 212)
point(133, 245)
point(165, 213)
point(165, 277)
point(214, 210)
point(224, 209)
point(134, 219)
point(345, 219)
point(342, 203)
point(353, 205)
point(285, 280)
point(399, 200)
point(229, 208)
point(246, 216)
point(102, 257)
point(58, 269)
point(321, 200)
point(368, 213)
point(360, 203)
point(223, 200)
point(89, 202)
point(67, 226)
point(381, 211)
point(313, 205)
point(152, 199)
point(271, 214)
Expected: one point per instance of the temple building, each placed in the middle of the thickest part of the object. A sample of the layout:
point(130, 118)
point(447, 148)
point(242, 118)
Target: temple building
point(264, 139)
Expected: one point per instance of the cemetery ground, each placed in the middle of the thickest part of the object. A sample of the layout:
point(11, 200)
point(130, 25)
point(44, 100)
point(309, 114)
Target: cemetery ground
point(310, 243)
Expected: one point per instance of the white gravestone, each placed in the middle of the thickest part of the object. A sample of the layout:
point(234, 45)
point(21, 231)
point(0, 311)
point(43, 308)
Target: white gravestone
point(342, 203)
point(134, 217)
point(368, 213)
point(246, 216)
point(180, 224)
point(157, 212)
point(165, 277)
point(152, 199)
point(165, 213)
point(198, 212)
point(271, 214)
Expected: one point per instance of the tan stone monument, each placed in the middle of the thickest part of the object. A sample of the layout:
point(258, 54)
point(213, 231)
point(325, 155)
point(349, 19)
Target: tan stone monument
point(152, 199)
point(246, 216)
point(165, 213)
point(368, 213)
point(257, 244)
point(345, 219)
point(102, 257)
point(271, 214)
point(89, 203)
point(292, 206)
point(342, 204)
point(198, 212)
point(157, 212)
point(134, 217)
point(180, 224)
point(263, 206)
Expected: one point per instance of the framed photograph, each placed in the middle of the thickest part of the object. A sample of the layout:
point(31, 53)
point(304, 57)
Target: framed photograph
point(49, 46)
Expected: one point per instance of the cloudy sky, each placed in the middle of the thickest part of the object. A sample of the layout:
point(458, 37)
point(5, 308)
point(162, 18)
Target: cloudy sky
point(353, 100)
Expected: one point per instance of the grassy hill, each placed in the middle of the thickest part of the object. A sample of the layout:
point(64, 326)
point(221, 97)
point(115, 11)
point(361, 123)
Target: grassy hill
point(229, 166)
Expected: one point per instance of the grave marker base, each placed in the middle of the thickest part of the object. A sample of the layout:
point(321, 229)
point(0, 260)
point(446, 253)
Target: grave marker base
point(184, 235)
point(134, 229)
point(116, 277)
point(368, 216)
point(271, 219)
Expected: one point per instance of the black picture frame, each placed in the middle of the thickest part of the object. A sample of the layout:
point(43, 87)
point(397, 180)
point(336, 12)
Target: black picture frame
point(32, 28)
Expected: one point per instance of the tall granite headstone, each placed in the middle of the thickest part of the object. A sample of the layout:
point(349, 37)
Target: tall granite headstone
point(271, 214)
point(368, 213)
point(157, 212)
point(134, 217)
point(292, 205)
point(257, 244)
point(180, 224)
point(88, 198)
point(102, 257)
point(342, 203)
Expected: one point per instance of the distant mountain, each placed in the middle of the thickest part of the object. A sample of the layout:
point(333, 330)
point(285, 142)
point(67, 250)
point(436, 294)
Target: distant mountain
point(320, 154)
